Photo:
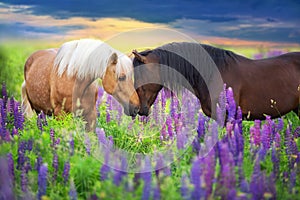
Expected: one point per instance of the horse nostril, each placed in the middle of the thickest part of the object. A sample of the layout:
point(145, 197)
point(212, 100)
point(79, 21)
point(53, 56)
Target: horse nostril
point(136, 110)
point(145, 108)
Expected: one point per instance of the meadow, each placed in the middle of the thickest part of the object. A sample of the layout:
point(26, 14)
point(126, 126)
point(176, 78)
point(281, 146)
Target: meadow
point(175, 153)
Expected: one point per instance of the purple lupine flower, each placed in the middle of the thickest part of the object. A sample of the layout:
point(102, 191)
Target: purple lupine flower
point(209, 164)
point(239, 119)
point(255, 133)
point(257, 181)
point(266, 137)
point(39, 123)
point(233, 142)
point(120, 174)
point(108, 108)
point(280, 124)
point(119, 114)
point(170, 127)
point(104, 171)
point(275, 159)
point(21, 154)
point(6, 182)
point(244, 186)
point(99, 99)
point(66, 172)
point(241, 175)
point(72, 192)
point(18, 116)
point(231, 194)
point(163, 99)
point(147, 177)
point(159, 165)
point(297, 132)
point(57, 141)
point(163, 132)
point(42, 181)
point(11, 167)
point(196, 173)
point(155, 110)
point(7, 136)
point(231, 106)
point(87, 143)
point(101, 136)
point(214, 134)
point(71, 145)
point(44, 119)
point(52, 136)
point(27, 164)
point(184, 190)
point(291, 145)
point(221, 108)
point(227, 174)
point(201, 126)
point(10, 105)
point(130, 125)
point(173, 107)
point(24, 179)
point(262, 153)
point(293, 177)
point(239, 139)
point(270, 186)
point(181, 139)
point(55, 166)
point(29, 145)
point(277, 140)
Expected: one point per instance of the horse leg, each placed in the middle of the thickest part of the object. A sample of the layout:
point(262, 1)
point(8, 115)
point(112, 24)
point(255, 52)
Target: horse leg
point(84, 101)
point(26, 106)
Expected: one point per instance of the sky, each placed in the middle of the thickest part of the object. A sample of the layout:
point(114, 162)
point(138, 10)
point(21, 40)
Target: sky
point(267, 22)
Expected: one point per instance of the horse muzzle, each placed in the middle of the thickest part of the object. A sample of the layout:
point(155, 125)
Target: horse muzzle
point(144, 111)
point(132, 110)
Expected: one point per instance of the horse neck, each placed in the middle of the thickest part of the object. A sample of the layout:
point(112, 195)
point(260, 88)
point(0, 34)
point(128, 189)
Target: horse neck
point(183, 69)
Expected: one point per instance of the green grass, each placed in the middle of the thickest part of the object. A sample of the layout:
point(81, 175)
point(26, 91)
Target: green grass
point(143, 138)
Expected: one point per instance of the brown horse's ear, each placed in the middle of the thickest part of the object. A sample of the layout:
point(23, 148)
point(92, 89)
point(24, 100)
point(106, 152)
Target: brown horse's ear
point(113, 59)
point(139, 56)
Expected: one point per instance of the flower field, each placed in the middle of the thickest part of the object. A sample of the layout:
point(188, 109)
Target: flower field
point(175, 153)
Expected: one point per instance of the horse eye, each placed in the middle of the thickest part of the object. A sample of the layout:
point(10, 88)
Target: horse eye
point(122, 78)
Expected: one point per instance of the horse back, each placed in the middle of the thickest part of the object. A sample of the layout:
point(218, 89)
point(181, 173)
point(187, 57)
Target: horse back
point(35, 57)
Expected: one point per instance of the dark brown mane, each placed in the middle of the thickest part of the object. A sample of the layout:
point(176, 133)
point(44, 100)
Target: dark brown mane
point(168, 57)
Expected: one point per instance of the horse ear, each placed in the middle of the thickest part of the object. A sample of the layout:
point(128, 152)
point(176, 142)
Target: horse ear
point(113, 59)
point(139, 56)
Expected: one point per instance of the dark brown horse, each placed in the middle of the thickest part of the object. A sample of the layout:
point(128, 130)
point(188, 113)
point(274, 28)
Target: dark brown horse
point(261, 87)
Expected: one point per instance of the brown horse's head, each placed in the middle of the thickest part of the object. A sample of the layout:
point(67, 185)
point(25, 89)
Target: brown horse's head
point(147, 79)
point(117, 81)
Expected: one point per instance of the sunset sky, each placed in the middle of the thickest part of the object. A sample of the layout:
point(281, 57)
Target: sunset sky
point(267, 22)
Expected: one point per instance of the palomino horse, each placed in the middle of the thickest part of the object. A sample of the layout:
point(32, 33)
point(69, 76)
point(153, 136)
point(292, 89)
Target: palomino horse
point(261, 87)
point(63, 80)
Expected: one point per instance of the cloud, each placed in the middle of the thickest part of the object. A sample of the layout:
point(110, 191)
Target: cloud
point(254, 21)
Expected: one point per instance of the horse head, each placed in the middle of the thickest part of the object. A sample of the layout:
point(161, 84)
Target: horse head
point(146, 79)
point(117, 81)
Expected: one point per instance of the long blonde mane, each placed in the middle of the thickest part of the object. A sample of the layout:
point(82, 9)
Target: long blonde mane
point(88, 58)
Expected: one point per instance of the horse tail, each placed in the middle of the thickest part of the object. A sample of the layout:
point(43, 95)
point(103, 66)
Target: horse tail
point(27, 65)
point(26, 106)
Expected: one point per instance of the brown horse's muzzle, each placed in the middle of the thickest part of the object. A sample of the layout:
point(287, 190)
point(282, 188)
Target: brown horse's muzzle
point(144, 110)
